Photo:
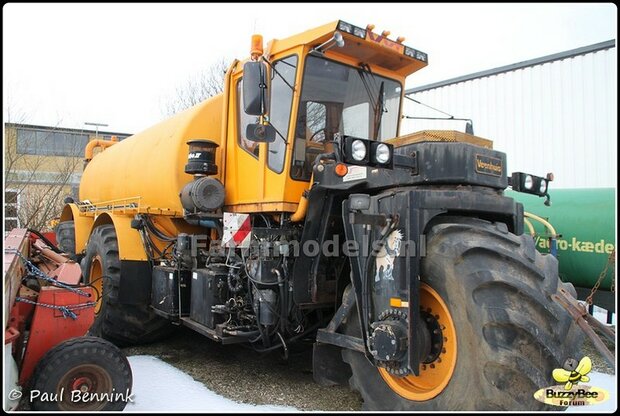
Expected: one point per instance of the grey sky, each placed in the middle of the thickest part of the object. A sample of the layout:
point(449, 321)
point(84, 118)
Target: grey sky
point(115, 63)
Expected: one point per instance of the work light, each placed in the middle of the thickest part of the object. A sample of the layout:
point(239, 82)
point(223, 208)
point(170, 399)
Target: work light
point(358, 150)
point(382, 153)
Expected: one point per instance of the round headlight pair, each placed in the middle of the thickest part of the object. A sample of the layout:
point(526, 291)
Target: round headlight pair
point(528, 183)
point(359, 151)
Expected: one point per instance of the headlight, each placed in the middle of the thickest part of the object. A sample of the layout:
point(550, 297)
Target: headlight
point(358, 150)
point(345, 27)
point(359, 32)
point(382, 154)
point(543, 186)
point(530, 184)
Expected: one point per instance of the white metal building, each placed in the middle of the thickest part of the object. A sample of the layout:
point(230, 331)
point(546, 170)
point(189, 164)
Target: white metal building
point(557, 113)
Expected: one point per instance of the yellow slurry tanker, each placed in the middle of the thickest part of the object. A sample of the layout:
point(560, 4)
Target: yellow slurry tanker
point(288, 208)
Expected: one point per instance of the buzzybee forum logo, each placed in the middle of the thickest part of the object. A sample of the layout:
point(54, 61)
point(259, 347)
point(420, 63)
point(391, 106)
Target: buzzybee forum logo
point(569, 392)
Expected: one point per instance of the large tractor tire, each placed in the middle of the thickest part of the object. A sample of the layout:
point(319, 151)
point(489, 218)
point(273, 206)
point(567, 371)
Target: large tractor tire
point(65, 235)
point(120, 323)
point(489, 291)
point(82, 374)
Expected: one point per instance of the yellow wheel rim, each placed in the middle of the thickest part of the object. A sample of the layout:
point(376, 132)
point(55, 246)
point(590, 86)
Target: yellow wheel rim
point(96, 271)
point(434, 376)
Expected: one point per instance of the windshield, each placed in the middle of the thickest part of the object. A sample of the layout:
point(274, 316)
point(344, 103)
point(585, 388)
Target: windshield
point(340, 99)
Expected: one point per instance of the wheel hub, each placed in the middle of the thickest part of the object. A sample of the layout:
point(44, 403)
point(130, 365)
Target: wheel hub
point(83, 384)
point(85, 378)
point(388, 341)
point(436, 344)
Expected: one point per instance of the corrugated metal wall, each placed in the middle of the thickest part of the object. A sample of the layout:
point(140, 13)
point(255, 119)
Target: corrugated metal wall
point(555, 117)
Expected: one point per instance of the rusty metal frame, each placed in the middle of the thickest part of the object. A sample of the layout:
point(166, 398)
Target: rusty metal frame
point(586, 322)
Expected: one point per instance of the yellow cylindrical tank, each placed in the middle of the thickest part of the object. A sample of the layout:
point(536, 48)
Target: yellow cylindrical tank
point(150, 165)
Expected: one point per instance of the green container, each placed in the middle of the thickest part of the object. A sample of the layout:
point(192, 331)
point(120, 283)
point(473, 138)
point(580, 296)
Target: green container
point(585, 218)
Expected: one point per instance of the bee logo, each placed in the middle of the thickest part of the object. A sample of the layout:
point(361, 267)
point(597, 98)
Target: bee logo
point(573, 372)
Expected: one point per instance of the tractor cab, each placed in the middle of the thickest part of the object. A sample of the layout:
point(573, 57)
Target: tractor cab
point(298, 97)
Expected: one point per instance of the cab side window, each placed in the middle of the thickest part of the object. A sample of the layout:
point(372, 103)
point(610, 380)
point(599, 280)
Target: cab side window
point(282, 78)
point(242, 123)
point(310, 138)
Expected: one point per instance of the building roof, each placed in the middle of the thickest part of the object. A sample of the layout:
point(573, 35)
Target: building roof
point(58, 129)
point(519, 65)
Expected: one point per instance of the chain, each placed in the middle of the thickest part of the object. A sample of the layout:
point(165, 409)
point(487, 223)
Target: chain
point(67, 310)
point(610, 262)
point(32, 269)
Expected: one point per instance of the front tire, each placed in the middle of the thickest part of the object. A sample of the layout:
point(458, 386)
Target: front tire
point(117, 322)
point(510, 335)
point(89, 365)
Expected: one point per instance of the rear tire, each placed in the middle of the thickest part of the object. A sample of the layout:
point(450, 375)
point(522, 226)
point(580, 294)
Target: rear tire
point(509, 332)
point(65, 235)
point(90, 365)
point(120, 323)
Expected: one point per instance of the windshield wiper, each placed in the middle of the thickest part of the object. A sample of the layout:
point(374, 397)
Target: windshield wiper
point(362, 72)
point(377, 105)
point(379, 111)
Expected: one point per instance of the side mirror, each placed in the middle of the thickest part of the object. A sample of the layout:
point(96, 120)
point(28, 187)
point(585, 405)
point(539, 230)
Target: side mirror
point(264, 133)
point(254, 88)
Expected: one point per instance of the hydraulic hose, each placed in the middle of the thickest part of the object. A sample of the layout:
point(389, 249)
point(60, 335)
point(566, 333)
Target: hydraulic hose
point(553, 242)
point(530, 227)
point(45, 240)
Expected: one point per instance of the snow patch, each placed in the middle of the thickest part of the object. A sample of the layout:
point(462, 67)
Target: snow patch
point(158, 386)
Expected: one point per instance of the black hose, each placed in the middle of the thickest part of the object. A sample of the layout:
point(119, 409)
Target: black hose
point(295, 338)
point(48, 242)
point(158, 233)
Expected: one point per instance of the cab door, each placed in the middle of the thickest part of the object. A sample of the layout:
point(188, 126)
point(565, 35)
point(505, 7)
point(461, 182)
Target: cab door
point(245, 159)
point(257, 173)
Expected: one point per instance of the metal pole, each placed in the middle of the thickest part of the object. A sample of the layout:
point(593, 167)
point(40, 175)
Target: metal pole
point(96, 127)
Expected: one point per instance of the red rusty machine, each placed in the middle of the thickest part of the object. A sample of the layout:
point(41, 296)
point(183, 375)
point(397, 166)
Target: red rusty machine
point(50, 362)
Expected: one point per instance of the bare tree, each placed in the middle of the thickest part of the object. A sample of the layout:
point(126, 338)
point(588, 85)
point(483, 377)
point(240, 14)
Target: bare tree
point(37, 180)
point(198, 88)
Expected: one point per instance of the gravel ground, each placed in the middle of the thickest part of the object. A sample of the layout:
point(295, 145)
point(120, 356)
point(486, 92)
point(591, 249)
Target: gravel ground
point(246, 376)
point(598, 362)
